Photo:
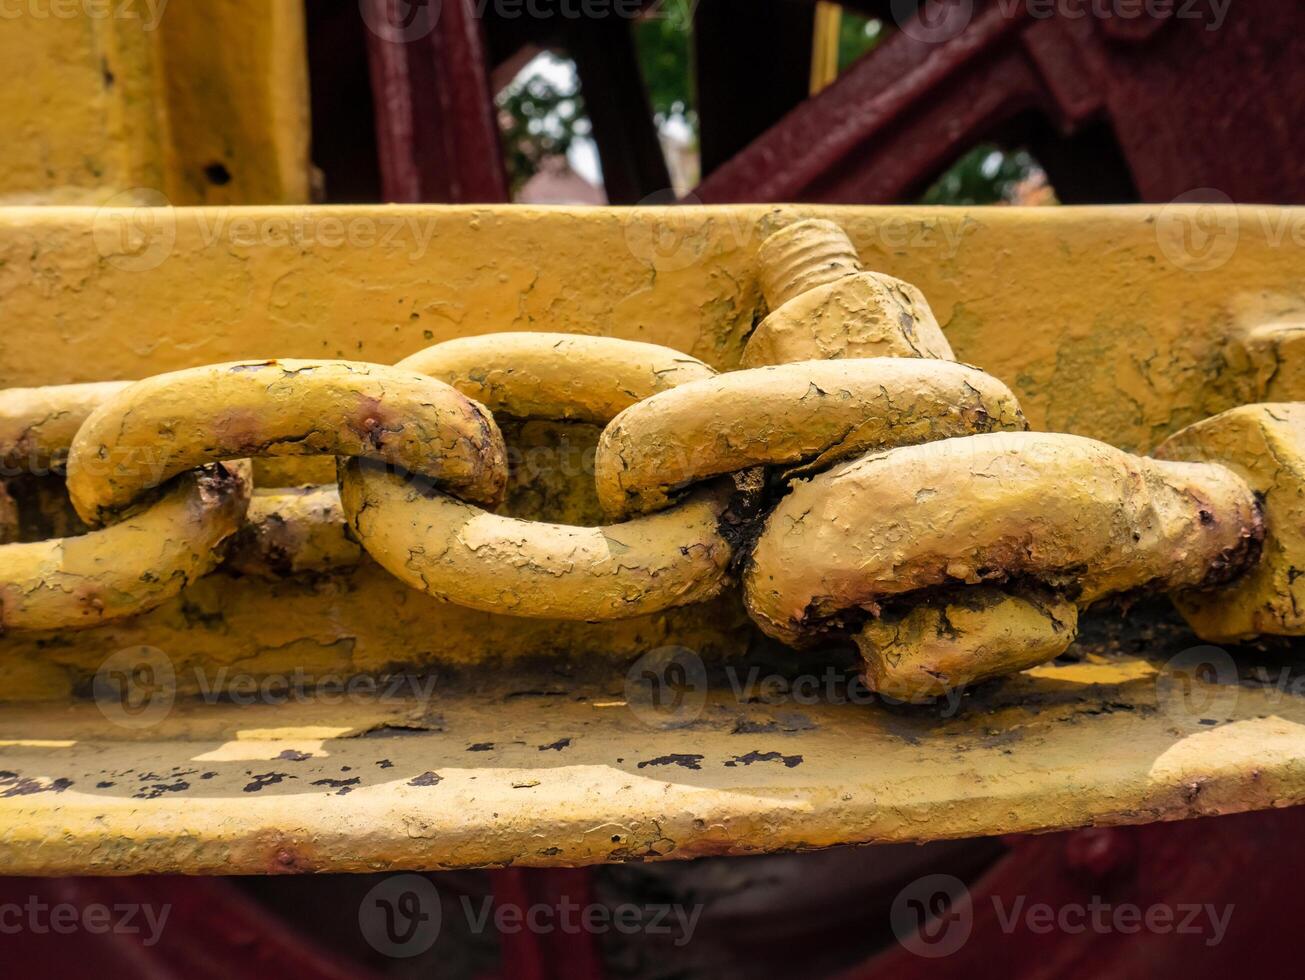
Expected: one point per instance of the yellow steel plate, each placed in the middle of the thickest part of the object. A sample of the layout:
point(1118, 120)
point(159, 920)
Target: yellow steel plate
point(537, 767)
point(1119, 323)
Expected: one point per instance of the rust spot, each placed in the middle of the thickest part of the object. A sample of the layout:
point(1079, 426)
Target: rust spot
point(240, 429)
point(790, 761)
point(344, 786)
point(684, 760)
point(371, 421)
point(12, 784)
point(265, 779)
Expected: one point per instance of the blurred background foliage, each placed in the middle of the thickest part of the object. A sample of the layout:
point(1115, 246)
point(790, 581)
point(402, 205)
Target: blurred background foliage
point(542, 113)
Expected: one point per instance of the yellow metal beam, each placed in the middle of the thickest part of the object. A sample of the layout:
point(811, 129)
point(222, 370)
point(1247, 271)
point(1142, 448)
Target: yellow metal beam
point(578, 777)
point(1123, 324)
point(154, 101)
point(1106, 322)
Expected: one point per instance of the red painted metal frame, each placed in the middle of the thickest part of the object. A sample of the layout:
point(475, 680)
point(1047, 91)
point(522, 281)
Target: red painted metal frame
point(1189, 106)
point(437, 136)
point(1249, 861)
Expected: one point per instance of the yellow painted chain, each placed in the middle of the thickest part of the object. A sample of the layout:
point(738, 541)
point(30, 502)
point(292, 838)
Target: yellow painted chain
point(904, 505)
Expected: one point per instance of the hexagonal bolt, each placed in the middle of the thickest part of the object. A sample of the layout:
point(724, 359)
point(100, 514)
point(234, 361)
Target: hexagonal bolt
point(942, 645)
point(1267, 361)
point(1265, 446)
point(824, 304)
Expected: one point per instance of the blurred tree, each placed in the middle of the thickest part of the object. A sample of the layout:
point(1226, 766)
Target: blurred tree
point(663, 38)
point(985, 175)
point(856, 36)
point(542, 110)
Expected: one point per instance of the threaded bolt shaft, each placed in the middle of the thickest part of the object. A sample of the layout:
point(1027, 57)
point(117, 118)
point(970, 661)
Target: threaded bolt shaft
point(802, 256)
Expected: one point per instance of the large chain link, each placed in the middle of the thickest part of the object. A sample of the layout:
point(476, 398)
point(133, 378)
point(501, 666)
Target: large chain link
point(856, 479)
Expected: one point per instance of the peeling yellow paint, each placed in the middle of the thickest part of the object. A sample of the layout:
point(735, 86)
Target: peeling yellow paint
point(1126, 348)
point(130, 100)
point(814, 412)
point(127, 568)
point(1265, 445)
point(164, 425)
point(1071, 513)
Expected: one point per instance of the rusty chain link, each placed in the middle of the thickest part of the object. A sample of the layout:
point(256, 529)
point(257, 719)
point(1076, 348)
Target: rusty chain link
point(904, 505)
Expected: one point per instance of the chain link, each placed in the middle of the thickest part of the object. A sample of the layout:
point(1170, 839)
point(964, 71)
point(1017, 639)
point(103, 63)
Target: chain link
point(856, 479)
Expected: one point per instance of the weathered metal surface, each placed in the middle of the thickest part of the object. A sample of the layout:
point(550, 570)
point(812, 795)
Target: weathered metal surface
point(699, 295)
point(145, 558)
point(1070, 511)
point(154, 101)
point(156, 428)
point(461, 553)
point(37, 425)
point(1074, 516)
point(562, 377)
point(537, 769)
point(293, 531)
point(814, 412)
point(1263, 444)
point(436, 131)
point(824, 305)
point(1114, 323)
point(1103, 92)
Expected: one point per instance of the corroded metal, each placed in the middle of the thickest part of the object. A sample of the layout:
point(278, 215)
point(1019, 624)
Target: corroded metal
point(164, 425)
point(1077, 515)
point(556, 375)
point(824, 304)
point(456, 551)
point(809, 412)
point(132, 566)
point(464, 554)
point(1265, 446)
point(37, 425)
point(293, 531)
point(308, 596)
